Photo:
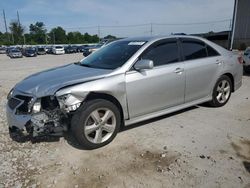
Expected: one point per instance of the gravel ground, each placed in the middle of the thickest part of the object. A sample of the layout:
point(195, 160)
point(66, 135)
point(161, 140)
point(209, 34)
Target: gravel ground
point(196, 147)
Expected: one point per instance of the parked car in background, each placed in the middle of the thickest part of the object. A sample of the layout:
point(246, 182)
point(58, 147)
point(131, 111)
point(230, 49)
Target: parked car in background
point(74, 49)
point(41, 50)
point(49, 49)
point(58, 50)
point(9, 49)
point(82, 47)
point(2, 50)
point(70, 49)
point(29, 52)
point(246, 60)
point(90, 49)
point(15, 53)
point(125, 82)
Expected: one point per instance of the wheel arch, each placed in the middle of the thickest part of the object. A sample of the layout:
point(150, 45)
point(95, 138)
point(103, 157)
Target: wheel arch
point(108, 97)
point(232, 80)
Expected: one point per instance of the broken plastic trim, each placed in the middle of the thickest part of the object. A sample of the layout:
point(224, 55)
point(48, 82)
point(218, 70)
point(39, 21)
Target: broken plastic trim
point(70, 102)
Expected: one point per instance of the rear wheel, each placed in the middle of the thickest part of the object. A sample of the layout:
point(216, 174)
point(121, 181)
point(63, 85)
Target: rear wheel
point(222, 91)
point(96, 123)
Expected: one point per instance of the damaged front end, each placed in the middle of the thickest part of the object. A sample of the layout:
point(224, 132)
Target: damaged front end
point(48, 115)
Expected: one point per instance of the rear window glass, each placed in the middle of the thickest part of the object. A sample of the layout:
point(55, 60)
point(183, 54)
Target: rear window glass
point(211, 52)
point(193, 50)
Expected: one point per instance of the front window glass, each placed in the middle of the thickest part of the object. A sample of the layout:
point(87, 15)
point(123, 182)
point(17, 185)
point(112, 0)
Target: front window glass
point(112, 56)
point(163, 53)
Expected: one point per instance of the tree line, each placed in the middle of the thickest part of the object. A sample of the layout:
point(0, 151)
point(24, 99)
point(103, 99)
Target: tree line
point(38, 34)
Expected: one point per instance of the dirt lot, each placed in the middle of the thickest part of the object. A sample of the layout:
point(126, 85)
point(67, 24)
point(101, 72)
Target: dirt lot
point(197, 147)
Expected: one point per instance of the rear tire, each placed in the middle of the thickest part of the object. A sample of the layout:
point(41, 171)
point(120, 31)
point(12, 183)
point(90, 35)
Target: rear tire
point(221, 92)
point(96, 123)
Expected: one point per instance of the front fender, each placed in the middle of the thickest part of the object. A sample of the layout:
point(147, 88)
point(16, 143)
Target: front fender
point(112, 85)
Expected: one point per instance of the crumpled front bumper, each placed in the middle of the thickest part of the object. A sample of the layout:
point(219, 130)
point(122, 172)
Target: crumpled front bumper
point(15, 120)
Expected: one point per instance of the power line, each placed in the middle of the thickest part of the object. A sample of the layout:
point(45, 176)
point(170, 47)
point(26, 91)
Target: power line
point(147, 24)
point(193, 23)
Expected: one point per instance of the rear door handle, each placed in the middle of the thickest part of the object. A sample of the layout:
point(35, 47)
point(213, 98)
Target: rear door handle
point(179, 70)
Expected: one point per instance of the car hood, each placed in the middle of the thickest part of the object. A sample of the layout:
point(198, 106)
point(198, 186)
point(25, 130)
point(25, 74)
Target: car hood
point(49, 81)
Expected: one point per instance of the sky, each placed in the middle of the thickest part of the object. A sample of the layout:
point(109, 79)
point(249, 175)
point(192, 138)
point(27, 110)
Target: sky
point(197, 16)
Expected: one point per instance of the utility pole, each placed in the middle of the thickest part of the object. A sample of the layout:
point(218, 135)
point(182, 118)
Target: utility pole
point(46, 38)
point(13, 40)
point(99, 33)
point(234, 23)
point(54, 38)
point(151, 29)
point(18, 19)
point(24, 39)
point(229, 34)
point(6, 29)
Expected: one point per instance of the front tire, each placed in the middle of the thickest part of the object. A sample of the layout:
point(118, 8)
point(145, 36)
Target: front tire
point(221, 92)
point(96, 123)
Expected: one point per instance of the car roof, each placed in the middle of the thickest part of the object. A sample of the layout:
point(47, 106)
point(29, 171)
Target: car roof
point(155, 38)
point(152, 39)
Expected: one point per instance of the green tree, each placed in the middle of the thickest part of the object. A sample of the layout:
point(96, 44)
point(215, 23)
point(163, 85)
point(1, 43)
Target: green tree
point(4, 39)
point(58, 36)
point(94, 39)
point(75, 38)
point(38, 33)
point(110, 37)
point(90, 38)
point(17, 31)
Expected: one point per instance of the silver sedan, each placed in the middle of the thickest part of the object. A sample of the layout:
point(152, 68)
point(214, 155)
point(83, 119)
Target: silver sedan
point(125, 82)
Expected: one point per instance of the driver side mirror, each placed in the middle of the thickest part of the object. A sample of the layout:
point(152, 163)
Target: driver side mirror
point(144, 64)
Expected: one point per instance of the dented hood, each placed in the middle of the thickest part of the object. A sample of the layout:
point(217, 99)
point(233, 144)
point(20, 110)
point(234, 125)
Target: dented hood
point(48, 82)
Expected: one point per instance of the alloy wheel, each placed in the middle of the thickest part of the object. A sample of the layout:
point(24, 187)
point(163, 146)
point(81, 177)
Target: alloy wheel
point(100, 125)
point(223, 91)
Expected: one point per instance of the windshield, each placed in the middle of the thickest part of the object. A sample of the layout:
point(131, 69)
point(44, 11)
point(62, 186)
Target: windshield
point(30, 50)
point(59, 47)
point(113, 55)
point(15, 50)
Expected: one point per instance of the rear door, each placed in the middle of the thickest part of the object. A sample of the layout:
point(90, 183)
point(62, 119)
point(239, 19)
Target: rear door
point(202, 66)
point(158, 88)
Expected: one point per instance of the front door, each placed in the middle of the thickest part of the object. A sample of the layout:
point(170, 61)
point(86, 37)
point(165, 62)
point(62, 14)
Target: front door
point(158, 88)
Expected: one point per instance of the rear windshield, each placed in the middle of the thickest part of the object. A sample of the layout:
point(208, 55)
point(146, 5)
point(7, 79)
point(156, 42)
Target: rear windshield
point(59, 47)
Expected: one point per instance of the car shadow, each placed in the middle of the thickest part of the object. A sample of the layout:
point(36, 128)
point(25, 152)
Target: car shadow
point(20, 137)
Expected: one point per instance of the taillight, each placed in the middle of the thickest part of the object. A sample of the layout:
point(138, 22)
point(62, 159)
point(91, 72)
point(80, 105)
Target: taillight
point(240, 60)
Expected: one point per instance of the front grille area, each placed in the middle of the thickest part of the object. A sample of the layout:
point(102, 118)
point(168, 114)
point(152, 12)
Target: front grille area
point(21, 100)
point(24, 108)
point(13, 103)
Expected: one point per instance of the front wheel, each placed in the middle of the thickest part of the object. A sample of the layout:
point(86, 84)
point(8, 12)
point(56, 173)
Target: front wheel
point(96, 123)
point(222, 91)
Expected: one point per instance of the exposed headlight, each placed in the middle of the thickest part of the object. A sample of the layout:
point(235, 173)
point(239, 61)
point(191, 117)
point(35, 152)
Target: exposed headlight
point(70, 102)
point(36, 107)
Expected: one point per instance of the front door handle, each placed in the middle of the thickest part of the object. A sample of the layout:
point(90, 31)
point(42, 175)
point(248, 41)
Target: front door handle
point(179, 70)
